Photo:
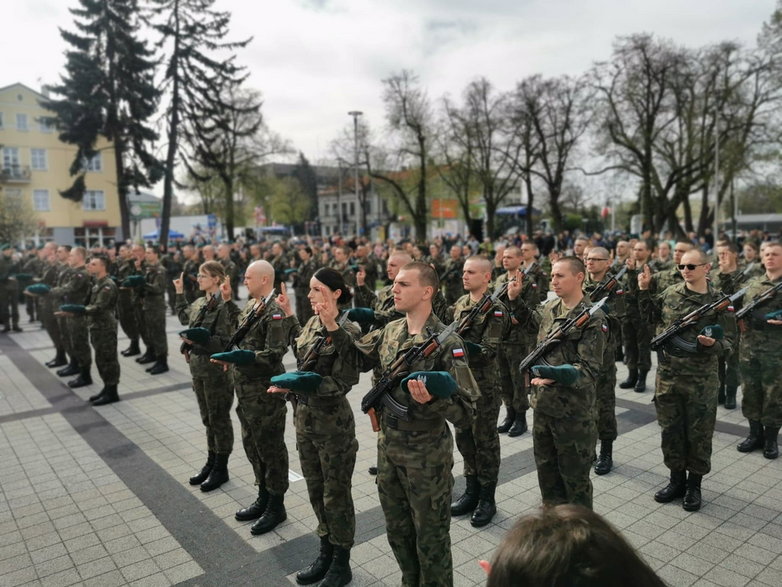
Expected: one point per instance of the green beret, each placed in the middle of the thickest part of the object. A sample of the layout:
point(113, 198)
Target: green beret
point(438, 383)
point(775, 315)
point(238, 357)
point(38, 289)
point(713, 331)
point(362, 315)
point(72, 308)
point(564, 374)
point(298, 381)
point(198, 335)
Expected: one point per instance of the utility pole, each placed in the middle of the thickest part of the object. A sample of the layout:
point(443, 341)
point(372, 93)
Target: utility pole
point(362, 217)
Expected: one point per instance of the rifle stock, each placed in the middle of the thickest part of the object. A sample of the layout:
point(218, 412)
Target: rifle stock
point(763, 297)
point(249, 320)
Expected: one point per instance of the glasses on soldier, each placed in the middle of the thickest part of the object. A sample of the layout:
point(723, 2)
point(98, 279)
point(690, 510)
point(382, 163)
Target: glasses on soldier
point(690, 266)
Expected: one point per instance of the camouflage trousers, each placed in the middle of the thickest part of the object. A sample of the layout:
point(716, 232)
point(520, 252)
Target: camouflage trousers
point(729, 368)
point(9, 306)
point(636, 337)
point(141, 323)
point(104, 341)
point(480, 444)
point(564, 450)
point(514, 394)
point(416, 502)
point(52, 325)
point(127, 317)
point(605, 392)
point(327, 463)
point(79, 337)
point(686, 411)
point(215, 396)
point(155, 325)
point(262, 416)
point(761, 390)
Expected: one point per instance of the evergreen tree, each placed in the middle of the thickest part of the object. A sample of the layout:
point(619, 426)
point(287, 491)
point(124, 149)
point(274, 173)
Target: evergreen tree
point(195, 80)
point(108, 89)
point(309, 185)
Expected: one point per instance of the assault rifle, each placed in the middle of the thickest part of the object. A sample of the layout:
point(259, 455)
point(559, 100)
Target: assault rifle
point(557, 335)
point(483, 306)
point(309, 360)
point(249, 321)
point(606, 286)
point(185, 348)
point(693, 317)
point(380, 396)
point(764, 297)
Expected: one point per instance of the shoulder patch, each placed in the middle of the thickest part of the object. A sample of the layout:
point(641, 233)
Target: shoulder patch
point(604, 327)
point(458, 352)
point(277, 316)
point(498, 313)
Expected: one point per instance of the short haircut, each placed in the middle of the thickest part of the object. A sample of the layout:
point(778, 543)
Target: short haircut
point(576, 264)
point(486, 263)
point(702, 257)
point(752, 245)
point(515, 251)
point(728, 245)
point(426, 275)
point(81, 251)
point(602, 251)
point(103, 259)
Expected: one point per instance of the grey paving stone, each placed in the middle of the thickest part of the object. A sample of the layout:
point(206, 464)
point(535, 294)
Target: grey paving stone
point(183, 572)
point(726, 578)
point(139, 570)
point(18, 577)
point(61, 579)
point(97, 567)
point(171, 559)
point(673, 575)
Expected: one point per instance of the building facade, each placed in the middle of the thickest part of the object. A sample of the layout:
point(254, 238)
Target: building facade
point(35, 166)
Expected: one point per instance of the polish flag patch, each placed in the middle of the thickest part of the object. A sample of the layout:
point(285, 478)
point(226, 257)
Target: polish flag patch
point(731, 309)
point(498, 313)
point(458, 352)
point(604, 327)
point(276, 316)
point(620, 292)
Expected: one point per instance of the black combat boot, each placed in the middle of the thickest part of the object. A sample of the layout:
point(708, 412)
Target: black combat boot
point(147, 357)
point(161, 366)
point(469, 499)
point(629, 383)
point(730, 397)
point(109, 397)
point(519, 425)
point(372, 470)
point(676, 488)
point(100, 394)
point(755, 438)
point(201, 476)
point(771, 448)
point(16, 328)
point(605, 461)
point(486, 508)
point(274, 515)
point(218, 474)
point(320, 566)
point(640, 384)
point(510, 417)
point(71, 369)
point(339, 572)
point(82, 380)
point(721, 394)
point(59, 360)
point(692, 498)
point(132, 350)
point(256, 509)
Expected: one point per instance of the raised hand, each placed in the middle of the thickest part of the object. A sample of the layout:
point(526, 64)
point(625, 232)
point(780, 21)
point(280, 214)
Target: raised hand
point(361, 275)
point(514, 287)
point(645, 278)
point(284, 301)
point(226, 292)
point(179, 283)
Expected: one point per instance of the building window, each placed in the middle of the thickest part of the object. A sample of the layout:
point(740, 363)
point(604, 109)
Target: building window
point(1, 120)
point(44, 126)
point(38, 159)
point(352, 208)
point(94, 200)
point(11, 158)
point(41, 200)
point(21, 122)
point(94, 164)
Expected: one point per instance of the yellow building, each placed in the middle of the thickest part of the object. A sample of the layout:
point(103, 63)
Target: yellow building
point(35, 164)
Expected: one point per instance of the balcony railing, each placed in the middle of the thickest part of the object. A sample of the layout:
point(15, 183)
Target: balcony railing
point(15, 174)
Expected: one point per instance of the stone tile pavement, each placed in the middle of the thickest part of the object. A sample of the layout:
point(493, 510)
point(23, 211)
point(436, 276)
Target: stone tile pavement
point(99, 496)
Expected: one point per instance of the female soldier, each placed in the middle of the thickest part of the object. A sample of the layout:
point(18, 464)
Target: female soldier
point(211, 320)
point(325, 430)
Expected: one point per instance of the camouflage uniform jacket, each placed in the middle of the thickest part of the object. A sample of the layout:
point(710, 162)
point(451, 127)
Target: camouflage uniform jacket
point(347, 272)
point(102, 306)
point(583, 348)
point(539, 275)
point(728, 283)
point(268, 339)
point(301, 279)
point(190, 278)
point(451, 278)
point(663, 280)
point(73, 287)
point(520, 331)
point(382, 347)
point(220, 322)
point(382, 303)
point(486, 331)
point(154, 288)
point(616, 304)
point(676, 302)
point(761, 338)
point(753, 269)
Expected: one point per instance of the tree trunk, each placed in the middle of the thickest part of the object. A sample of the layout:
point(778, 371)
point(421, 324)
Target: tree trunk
point(228, 181)
point(530, 199)
point(173, 130)
point(703, 219)
point(556, 211)
point(122, 189)
point(687, 214)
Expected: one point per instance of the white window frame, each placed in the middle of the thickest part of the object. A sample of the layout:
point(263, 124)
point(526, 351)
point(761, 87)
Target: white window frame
point(11, 158)
point(36, 203)
point(44, 159)
point(95, 164)
point(44, 127)
point(22, 117)
point(94, 201)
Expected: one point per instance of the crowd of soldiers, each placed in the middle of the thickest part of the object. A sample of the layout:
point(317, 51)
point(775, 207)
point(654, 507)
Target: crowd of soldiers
point(450, 333)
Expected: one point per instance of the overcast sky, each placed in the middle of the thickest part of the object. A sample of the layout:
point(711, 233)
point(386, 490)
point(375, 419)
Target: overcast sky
point(314, 60)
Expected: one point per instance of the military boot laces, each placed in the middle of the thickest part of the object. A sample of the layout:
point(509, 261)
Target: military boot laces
point(771, 448)
point(201, 476)
point(755, 438)
point(256, 509)
point(274, 515)
point(605, 460)
point(469, 499)
point(692, 497)
point(675, 489)
point(320, 566)
point(339, 572)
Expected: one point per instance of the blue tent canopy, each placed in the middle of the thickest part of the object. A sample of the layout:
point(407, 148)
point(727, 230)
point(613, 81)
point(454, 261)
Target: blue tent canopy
point(155, 235)
point(520, 211)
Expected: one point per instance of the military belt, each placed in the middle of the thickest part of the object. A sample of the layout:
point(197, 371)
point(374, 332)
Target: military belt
point(394, 423)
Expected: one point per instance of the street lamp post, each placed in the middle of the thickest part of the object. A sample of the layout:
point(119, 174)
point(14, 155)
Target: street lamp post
point(355, 114)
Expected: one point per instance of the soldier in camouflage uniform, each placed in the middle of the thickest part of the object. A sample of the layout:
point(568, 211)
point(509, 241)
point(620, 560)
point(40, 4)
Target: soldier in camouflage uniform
point(173, 263)
point(597, 264)
point(211, 383)
point(138, 268)
point(76, 290)
point(479, 444)
point(153, 305)
point(342, 264)
point(534, 270)
point(100, 312)
point(262, 414)
point(751, 262)
point(451, 276)
point(231, 269)
point(9, 294)
point(686, 388)
point(190, 274)
point(761, 402)
point(636, 331)
point(48, 277)
point(33, 267)
point(126, 266)
point(415, 457)
point(325, 428)
point(515, 346)
point(301, 283)
point(562, 395)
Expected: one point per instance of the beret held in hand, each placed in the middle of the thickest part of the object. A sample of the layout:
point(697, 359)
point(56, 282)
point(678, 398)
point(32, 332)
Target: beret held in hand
point(564, 374)
point(133, 281)
point(775, 315)
point(298, 381)
point(713, 331)
point(72, 308)
point(199, 335)
point(438, 383)
point(472, 348)
point(238, 357)
point(362, 315)
point(23, 277)
point(38, 289)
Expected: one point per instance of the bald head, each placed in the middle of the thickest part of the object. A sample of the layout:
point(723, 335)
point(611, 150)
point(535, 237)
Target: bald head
point(259, 278)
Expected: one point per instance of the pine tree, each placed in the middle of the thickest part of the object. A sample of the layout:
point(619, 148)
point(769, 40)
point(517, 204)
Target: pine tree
point(195, 80)
point(108, 89)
